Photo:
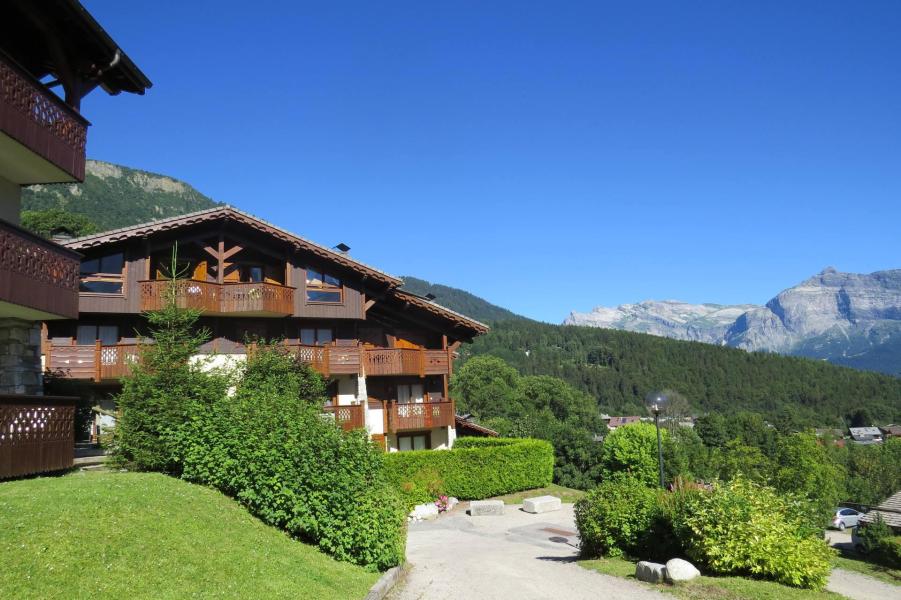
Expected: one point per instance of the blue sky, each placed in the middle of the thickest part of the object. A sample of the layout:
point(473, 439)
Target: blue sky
point(546, 156)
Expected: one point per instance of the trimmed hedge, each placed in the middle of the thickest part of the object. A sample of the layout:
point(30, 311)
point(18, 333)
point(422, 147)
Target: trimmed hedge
point(474, 469)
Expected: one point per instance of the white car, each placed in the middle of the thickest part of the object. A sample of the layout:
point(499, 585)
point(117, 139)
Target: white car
point(845, 517)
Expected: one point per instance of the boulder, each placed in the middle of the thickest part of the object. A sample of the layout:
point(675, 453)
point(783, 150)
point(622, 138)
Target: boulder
point(424, 512)
point(486, 508)
point(650, 572)
point(680, 570)
point(541, 504)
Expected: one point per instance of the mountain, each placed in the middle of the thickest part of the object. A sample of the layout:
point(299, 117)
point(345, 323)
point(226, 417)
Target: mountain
point(460, 301)
point(846, 318)
point(114, 196)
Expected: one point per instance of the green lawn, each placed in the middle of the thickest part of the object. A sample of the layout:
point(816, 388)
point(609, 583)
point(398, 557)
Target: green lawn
point(879, 572)
point(564, 493)
point(712, 588)
point(143, 535)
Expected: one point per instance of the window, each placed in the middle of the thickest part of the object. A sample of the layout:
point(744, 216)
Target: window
point(102, 275)
point(322, 287)
point(414, 441)
point(88, 335)
point(409, 393)
point(310, 336)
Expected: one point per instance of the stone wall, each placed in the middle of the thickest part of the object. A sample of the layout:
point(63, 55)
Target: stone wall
point(20, 357)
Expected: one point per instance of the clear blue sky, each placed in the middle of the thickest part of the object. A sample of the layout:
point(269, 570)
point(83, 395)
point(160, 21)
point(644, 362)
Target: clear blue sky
point(547, 157)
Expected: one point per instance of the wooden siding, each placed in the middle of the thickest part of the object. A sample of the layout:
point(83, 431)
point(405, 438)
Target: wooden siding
point(37, 274)
point(350, 308)
point(37, 434)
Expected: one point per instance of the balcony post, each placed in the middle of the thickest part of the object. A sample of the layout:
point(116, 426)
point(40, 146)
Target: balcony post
point(98, 350)
point(421, 362)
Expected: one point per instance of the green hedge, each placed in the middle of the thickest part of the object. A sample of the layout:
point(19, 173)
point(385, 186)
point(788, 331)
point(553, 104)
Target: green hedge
point(474, 469)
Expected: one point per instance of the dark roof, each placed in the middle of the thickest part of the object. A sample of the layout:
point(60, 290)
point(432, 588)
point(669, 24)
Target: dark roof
point(419, 302)
point(890, 511)
point(464, 423)
point(55, 37)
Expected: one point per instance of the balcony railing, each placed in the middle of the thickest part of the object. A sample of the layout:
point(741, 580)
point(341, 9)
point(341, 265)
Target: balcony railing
point(349, 416)
point(40, 121)
point(259, 299)
point(37, 274)
point(426, 415)
point(99, 362)
point(406, 361)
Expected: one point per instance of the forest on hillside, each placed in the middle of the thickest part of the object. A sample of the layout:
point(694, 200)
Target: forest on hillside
point(620, 368)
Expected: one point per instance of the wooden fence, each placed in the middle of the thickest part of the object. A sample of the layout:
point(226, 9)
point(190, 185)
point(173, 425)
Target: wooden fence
point(37, 434)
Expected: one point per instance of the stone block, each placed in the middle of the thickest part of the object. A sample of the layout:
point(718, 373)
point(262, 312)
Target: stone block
point(680, 570)
point(650, 572)
point(424, 512)
point(486, 508)
point(541, 504)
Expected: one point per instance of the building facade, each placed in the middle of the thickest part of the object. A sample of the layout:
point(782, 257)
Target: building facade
point(387, 354)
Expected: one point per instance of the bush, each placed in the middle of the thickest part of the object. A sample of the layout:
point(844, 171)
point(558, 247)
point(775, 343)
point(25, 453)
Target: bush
point(631, 452)
point(475, 468)
point(878, 542)
point(269, 446)
point(619, 517)
point(748, 529)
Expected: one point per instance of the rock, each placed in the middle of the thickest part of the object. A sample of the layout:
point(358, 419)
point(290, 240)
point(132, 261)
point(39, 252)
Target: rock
point(486, 508)
point(452, 502)
point(424, 512)
point(650, 572)
point(680, 570)
point(541, 504)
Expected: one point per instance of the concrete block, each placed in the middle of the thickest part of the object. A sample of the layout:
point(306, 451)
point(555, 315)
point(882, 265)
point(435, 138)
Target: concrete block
point(680, 570)
point(424, 512)
point(486, 508)
point(541, 504)
point(650, 572)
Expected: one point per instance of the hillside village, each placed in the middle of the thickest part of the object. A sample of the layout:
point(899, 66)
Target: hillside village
point(198, 402)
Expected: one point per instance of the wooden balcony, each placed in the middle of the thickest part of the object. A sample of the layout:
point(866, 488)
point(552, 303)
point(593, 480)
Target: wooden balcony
point(37, 434)
point(426, 415)
point(407, 361)
point(329, 360)
point(38, 276)
point(247, 299)
point(41, 124)
point(93, 362)
point(349, 416)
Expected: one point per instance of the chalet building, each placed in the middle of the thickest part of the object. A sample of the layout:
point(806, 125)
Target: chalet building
point(45, 47)
point(386, 353)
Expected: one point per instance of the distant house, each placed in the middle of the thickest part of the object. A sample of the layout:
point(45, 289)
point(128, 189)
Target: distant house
point(615, 422)
point(889, 511)
point(890, 431)
point(866, 435)
point(467, 428)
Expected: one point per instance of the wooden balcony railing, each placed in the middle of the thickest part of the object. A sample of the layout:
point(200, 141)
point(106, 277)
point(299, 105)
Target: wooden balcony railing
point(260, 299)
point(348, 417)
point(37, 274)
point(329, 360)
point(37, 434)
point(41, 121)
point(426, 415)
point(406, 361)
point(93, 362)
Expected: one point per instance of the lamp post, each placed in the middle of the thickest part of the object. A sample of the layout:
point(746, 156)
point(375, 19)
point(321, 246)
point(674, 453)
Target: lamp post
point(656, 401)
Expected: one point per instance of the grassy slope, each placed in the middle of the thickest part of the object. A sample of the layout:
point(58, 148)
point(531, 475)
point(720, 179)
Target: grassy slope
point(712, 588)
point(120, 535)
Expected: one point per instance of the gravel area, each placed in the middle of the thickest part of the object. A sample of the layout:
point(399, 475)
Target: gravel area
point(518, 555)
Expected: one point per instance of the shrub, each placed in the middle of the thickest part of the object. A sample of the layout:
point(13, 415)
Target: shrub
point(618, 517)
point(631, 452)
point(878, 542)
point(269, 446)
point(475, 468)
point(745, 528)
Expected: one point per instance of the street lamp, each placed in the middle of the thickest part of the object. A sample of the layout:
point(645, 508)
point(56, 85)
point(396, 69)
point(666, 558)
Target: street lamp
point(656, 401)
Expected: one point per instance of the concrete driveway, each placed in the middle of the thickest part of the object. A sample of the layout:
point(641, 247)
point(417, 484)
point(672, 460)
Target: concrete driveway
point(518, 555)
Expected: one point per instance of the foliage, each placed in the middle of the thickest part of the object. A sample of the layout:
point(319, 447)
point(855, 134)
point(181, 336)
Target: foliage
point(620, 368)
point(120, 197)
point(566, 495)
point(631, 451)
point(144, 535)
point(746, 528)
point(874, 471)
point(619, 517)
point(474, 469)
point(805, 468)
point(268, 446)
point(45, 222)
point(158, 394)
point(880, 544)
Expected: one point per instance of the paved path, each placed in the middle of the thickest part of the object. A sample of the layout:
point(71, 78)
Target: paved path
point(519, 556)
point(860, 587)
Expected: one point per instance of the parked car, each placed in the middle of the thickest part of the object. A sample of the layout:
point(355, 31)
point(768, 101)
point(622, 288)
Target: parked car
point(845, 517)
